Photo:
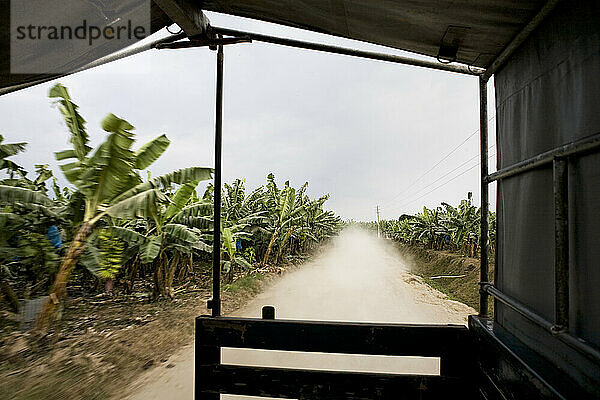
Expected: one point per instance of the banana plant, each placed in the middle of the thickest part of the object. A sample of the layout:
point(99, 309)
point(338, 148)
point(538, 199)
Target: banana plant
point(109, 181)
point(169, 236)
point(456, 227)
point(178, 231)
point(282, 213)
point(247, 213)
point(232, 259)
point(25, 214)
point(290, 215)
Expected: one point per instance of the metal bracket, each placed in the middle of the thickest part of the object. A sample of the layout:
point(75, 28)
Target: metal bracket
point(450, 43)
point(556, 329)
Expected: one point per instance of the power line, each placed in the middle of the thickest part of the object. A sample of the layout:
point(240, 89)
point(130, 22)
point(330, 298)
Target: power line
point(441, 177)
point(439, 186)
point(438, 163)
point(445, 183)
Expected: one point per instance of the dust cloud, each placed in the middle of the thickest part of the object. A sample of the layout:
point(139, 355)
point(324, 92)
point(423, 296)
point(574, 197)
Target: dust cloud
point(359, 277)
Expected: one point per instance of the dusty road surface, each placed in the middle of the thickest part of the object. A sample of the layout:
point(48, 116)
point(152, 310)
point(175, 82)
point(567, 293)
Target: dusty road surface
point(359, 278)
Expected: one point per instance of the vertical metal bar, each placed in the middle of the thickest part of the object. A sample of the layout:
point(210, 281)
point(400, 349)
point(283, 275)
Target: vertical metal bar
point(216, 287)
point(268, 312)
point(205, 359)
point(561, 244)
point(484, 237)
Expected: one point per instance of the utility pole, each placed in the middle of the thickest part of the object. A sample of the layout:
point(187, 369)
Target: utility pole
point(378, 230)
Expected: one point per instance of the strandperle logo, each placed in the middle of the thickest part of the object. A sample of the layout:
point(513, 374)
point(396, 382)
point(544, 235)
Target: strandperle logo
point(49, 36)
point(85, 31)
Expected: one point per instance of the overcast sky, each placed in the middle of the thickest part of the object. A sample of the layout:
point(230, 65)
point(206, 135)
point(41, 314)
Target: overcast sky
point(364, 131)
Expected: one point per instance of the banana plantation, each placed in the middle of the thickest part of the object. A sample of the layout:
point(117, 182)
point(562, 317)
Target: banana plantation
point(115, 223)
point(442, 228)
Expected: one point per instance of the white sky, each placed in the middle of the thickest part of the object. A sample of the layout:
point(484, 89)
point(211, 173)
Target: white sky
point(363, 131)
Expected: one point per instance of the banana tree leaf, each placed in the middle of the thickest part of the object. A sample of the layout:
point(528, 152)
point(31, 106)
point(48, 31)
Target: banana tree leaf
point(206, 237)
point(181, 233)
point(241, 261)
point(183, 249)
point(10, 149)
point(181, 177)
point(142, 205)
point(194, 222)
point(51, 212)
point(11, 194)
point(289, 197)
point(15, 221)
point(132, 180)
point(149, 250)
point(128, 235)
point(257, 218)
point(18, 182)
point(65, 155)
point(90, 259)
point(110, 164)
point(112, 123)
point(228, 242)
point(73, 172)
point(151, 151)
point(200, 245)
point(74, 121)
point(43, 174)
point(184, 175)
point(12, 166)
point(203, 208)
point(180, 199)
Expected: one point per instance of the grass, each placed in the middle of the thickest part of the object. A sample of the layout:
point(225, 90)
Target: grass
point(251, 283)
point(430, 263)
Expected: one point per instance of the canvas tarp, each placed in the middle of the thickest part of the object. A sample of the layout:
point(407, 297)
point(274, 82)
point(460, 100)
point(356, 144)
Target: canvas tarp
point(480, 29)
point(547, 95)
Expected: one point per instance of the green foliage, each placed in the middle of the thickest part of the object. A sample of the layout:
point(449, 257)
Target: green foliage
point(250, 283)
point(74, 121)
point(25, 215)
point(138, 224)
point(109, 182)
point(445, 227)
point(109, 179)
point(111, 254)
point(8, 150)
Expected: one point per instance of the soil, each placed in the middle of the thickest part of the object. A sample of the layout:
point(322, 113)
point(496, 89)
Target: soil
point(102, 343)
point(453, 274)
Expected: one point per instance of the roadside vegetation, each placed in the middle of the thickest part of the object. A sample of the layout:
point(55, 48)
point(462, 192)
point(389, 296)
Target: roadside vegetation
point(442, 246)
point(114, 224)
point(445, 227)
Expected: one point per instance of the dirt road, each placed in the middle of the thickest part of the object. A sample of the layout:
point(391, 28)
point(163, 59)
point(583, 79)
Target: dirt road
point(360, 278)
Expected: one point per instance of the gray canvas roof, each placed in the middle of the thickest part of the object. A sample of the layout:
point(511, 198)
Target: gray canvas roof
point(479, 29)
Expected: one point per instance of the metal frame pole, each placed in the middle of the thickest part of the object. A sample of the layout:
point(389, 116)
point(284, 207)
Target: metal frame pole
point(96, 63)
point(561, 244)
point(216, 272)
point(300, 44)
point(518, 40)
point(484, 236)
